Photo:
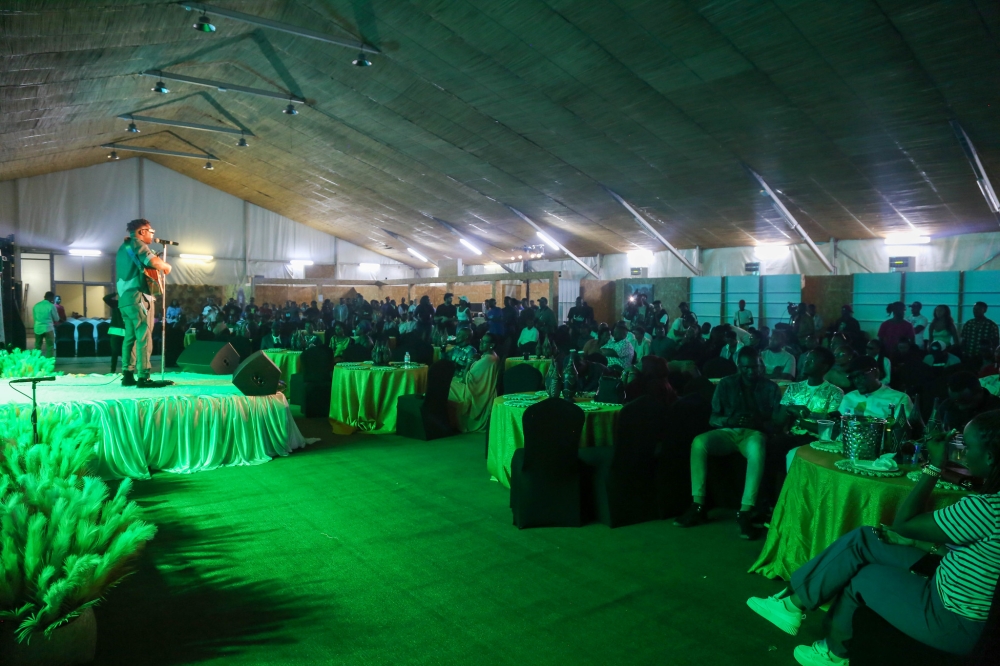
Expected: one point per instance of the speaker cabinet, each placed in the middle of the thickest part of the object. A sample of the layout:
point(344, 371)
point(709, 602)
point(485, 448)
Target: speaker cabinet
point(258, 375)
point(209, 358)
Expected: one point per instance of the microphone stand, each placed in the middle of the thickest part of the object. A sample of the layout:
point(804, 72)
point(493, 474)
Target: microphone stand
point(163, 326)
point(34, 412)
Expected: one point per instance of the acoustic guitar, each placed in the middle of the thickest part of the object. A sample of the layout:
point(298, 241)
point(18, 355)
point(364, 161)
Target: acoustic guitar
point(154, 281)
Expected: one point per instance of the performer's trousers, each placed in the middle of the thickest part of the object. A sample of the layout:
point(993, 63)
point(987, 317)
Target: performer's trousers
point(138, 342)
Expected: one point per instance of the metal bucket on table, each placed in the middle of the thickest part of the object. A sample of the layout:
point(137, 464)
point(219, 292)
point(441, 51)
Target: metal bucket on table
point(862, 436)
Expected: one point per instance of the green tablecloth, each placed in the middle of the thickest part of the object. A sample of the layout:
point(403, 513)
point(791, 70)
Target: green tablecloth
point(541, 364)
point(363, 398)
point(189, 337)
point(288, 361)
point(507, 434)
point(819, 504)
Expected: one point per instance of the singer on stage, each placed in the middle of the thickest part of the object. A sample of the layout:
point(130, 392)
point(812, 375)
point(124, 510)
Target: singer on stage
point(137, 302)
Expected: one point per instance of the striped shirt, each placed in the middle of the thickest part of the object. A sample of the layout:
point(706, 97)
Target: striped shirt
point(968, 574)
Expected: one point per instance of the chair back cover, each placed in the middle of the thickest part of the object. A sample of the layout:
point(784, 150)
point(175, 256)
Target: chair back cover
point(439, 377)
point(552, 430)
point(85, 330)
point(317, 364)
point(641, 429)
point(65, 331)
point(610, 390)
point(522, 378)
point(102, 329)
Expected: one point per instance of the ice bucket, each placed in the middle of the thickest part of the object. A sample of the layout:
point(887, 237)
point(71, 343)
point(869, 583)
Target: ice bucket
point(862, 437)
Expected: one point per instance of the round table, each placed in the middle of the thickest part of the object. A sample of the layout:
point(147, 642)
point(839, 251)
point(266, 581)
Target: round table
point(288, 361)
point(540, 363)
point(363, 397)
point(507, 433)
point(819, 504)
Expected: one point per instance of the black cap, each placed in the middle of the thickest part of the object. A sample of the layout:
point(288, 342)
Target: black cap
point(862, 364)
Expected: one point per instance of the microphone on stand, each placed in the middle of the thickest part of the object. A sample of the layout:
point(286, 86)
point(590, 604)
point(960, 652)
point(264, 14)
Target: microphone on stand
point(165, 242)
point(28, 380)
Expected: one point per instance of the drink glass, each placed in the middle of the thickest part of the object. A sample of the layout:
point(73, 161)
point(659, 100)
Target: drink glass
point(825, 430)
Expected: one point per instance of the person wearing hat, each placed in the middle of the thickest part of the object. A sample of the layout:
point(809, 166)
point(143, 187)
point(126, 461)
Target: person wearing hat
point(870, 397)
point(463, 314)
point(919, 323)
point(545, 318)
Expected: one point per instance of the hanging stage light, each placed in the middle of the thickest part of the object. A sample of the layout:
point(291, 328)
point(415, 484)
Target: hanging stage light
point(160, 88)
point(113, 155)
point(361, 60)
point(132, 128)
point(204, 25)
point(290, 109)
point(242, 143)
point(208, 166)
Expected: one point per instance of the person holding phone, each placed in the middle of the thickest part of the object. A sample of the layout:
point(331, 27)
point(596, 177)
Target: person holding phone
point(945, 608)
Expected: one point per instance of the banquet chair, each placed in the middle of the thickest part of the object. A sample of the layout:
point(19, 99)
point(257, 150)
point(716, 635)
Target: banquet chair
point(620, 487)
point(522, 378)
point(425, 416)
point(65, 340)
point(718, 367)
point(545, 473)
point(103, 339)
point(686, 419)
point(310, 388)
point(876, 642)
point(85, 344)
point(242, 345)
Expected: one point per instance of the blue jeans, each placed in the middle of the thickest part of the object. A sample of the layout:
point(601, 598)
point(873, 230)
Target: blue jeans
point(860, 568)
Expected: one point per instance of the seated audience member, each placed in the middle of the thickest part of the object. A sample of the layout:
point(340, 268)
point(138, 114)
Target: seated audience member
point(693, 347)
point(744, 408)
point(439, 336)
point(527, 342)
point(991, 384)
point(618, 350)
point(807, 345)
point(875, 349)
point(407, 325)
point(777, 361)
point(661, 345)
point(895, 327)
point(652, 380)
point(641, 342)
point(839, 374)
point(907, 353)
point(939, 357)
point(361, 344)
point(174, 312)
point(814, 397)
point(590, 373)
point(339, 340)
point(273, 339)
point(474, 388)
point(871, 565)
point(306, 338)
point(732, 346)
point(312, 312)
point(803, 324)
point(966, 400)
point(678, 329)
point(870, 396)
point(994, 367)
point(817, 319)
point(463, 353)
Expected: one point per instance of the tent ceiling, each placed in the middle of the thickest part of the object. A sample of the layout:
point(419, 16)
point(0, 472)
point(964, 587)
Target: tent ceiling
point(842, 106)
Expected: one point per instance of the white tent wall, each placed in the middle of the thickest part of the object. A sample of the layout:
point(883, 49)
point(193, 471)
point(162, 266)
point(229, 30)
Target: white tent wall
point(8, 207)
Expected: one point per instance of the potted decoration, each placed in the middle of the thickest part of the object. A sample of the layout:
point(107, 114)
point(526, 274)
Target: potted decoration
point(64, 540)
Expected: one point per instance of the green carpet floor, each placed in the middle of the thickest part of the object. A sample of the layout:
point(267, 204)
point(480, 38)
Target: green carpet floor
point(383, 550)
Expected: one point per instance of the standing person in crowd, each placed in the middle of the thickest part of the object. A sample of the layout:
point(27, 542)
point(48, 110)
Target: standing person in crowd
point(494, 322)
point(896, 326)
point(447, 314)
point(60, 309)
point(656, 313)
point(743, 317)
point(678, 330)
point(817, 319)
point(266, 312)
point(209, 313)
point(402, 308)
point(116, 332)
point(341, 313)
point(576, 317)
point(942, 328)
point(778, 362)
point(312, 312)
point(918, 322)
point(463, 313)
point(326, 314)
point(745, 407)
point(847, 325)
point(980, 336)
point(136, 304)
point(46, 317)
point(251, 308)
point(510, 314)
point(876, 350)
point(872, 565)
point(174, 313)
point(802, 324)
point(545, 318)
point(424, 314)
point(618, 350)
point(232, 309)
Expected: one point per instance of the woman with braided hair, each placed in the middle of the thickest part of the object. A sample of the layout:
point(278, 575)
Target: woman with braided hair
point(872, 565)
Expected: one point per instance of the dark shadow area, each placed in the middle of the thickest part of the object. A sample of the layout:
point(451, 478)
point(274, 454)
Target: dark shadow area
point(183, 606)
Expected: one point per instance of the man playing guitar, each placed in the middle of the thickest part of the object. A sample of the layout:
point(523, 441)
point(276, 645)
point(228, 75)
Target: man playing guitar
point(138, 271)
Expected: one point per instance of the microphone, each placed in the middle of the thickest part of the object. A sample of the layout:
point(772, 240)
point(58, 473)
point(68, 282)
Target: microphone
point(28, 380)
point(165, 242)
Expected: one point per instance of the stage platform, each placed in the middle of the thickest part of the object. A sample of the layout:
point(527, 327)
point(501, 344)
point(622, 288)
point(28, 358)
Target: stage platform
point(201, 423)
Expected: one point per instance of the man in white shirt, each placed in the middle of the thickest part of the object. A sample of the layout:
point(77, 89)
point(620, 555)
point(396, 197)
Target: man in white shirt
point(618, 349)
point(46, 317)
point(919, 323)
point(527, 342)
point(743, 317)
point(778, 363)
point(871, 397)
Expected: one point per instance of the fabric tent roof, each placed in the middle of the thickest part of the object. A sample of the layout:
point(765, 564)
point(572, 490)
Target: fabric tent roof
point(842, 106)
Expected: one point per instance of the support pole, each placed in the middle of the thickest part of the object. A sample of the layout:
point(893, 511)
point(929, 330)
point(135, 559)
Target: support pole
point(163, 325)
point(558, 244)
point(790, 219)
point(654, 233)
point(985, 186)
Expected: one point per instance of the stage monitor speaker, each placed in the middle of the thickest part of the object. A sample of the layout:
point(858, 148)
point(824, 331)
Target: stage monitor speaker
point(258, 375)
point(209, 358)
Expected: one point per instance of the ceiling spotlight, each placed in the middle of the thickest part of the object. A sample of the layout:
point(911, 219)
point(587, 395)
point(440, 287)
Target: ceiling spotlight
point(361, 60)
point(208, 166)
point(204, 25)
point(242, 143)
point(290, 109)
point(520, 256)
point(470, 246)
point(418, 255)
point(132, 128)
point(113, 155)
point(160, 88)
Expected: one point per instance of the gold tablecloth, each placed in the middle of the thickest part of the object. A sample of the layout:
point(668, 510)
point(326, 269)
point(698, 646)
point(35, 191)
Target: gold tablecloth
point(819, 504)
point(507, 434)
point(541, 364)
point(288, 361)
point(364, 399)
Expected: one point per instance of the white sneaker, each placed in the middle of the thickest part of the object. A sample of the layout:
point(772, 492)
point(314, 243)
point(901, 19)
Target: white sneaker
point(774, 611)
point(818, 654)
